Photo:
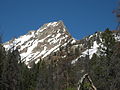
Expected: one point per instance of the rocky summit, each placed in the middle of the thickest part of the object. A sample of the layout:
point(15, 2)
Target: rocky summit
point(38, 44)
point(53, 40)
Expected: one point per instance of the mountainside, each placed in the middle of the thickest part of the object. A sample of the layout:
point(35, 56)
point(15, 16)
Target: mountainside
point(92, 43)
point(61, 62)
point(50, 38)
point(40, 43)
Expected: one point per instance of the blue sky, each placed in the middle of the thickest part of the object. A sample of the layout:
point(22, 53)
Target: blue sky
point(82, 17)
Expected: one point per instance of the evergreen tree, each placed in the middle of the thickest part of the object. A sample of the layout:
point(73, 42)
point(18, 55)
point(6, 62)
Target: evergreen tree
point(114, 69)
point(100, 66)
point(2, 59)
point(98, 72)
point(24, 76)
point(108, 42)
point(42, 77)
point(10, 74)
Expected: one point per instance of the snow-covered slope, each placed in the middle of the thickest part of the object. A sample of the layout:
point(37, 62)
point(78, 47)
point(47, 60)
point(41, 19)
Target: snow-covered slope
point(91, 44)
point(40, 43)
point(48, 40)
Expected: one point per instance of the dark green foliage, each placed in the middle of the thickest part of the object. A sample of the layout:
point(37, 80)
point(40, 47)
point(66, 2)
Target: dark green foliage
point(2, 59)
point(71, 89)
point(25, 77)
point(86, 86)
point(114, 69)
point(42, 77)
point(98, 72)
point(10, 75)
point(59, 73)
point(108, 42)
point(104, 69)
point(15, 75)
point(66, 75)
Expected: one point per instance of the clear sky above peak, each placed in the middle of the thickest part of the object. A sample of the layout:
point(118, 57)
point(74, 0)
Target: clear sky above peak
point(82, 17)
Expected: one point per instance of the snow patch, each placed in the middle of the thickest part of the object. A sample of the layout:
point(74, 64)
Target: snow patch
point(52, 24)
point(73, 41)
point(91, 51)
point(51, 50)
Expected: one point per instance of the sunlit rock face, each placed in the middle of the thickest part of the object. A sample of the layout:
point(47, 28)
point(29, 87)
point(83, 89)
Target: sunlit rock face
point(38, 44)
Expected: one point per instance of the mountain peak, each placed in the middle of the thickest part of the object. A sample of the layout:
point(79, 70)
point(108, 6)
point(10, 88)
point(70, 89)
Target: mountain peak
point(52, 25)
point(38, 44)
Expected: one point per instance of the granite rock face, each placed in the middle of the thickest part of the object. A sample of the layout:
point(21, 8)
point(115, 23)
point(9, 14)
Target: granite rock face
point(38, 44)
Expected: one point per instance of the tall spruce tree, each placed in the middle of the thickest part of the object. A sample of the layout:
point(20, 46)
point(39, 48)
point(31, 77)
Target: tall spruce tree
point(2, 59)
point(24, 76)
point(10, 74)
point(42, 81)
